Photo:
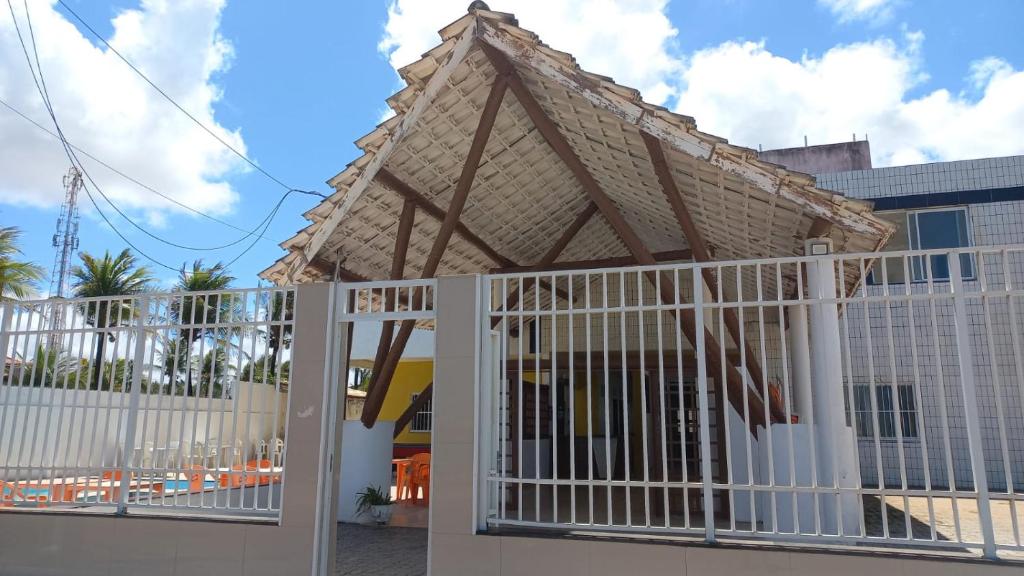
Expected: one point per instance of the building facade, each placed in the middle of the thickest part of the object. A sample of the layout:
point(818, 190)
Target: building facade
point(969, 203)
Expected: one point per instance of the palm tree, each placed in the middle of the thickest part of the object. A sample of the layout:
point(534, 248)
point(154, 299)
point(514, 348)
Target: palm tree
point(193, 312)
point(282, 309)
point(17, 278)
point(47, 368)
point(107, 276)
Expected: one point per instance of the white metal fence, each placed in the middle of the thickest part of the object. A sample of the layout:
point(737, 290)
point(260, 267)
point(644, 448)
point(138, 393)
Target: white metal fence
point(894, 405)
point(170, 401)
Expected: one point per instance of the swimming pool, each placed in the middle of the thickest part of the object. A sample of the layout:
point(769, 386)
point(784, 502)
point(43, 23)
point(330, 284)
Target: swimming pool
point(185, 485)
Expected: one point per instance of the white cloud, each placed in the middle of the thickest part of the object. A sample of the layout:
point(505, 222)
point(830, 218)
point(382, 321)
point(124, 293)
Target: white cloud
point(850, 10)
point(630, 41)
point(106, 109)
point(744, 92)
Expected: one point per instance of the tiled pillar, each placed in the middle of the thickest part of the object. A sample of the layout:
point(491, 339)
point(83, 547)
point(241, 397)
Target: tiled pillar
point(454, 549)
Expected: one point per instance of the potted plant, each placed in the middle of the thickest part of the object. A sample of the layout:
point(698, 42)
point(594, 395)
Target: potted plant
point(376, 502)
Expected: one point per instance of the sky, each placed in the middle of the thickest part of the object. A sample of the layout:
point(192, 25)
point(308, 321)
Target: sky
point(292, 85)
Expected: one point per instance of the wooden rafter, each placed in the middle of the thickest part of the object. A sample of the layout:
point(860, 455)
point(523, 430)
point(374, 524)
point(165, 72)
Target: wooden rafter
point(552, 254)
point(633, 243)
point(613, 262)
point(395, 183)
point(701, 254)
point(415, 406)
point(387, 330)
point(375, 397)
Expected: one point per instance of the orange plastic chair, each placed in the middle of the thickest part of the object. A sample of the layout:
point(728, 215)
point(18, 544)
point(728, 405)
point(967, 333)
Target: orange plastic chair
point(234, 479)
point(402, 466)
point(197, 479)
point(420, 477)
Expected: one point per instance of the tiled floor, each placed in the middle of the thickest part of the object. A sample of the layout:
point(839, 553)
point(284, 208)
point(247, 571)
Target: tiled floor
point(381, 551)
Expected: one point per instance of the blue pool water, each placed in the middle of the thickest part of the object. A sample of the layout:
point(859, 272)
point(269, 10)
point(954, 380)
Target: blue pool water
point(183, 485)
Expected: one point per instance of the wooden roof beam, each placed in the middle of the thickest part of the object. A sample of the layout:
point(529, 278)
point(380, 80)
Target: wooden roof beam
point(387, 331)
point(375, 396)
point(552, 254)
point(633, 243)
point(415, 406)
point(613, 262)
point(701, 254)
point(395, 183)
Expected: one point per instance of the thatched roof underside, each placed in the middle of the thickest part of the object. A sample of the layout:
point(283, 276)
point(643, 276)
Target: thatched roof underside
point(523, 196)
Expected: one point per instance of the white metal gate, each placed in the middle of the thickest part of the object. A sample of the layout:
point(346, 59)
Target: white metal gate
point(893, 391)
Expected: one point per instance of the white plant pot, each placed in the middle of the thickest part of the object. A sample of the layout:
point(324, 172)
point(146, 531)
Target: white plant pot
point(381, 514)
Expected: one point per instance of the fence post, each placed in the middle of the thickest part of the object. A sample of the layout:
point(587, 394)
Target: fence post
point(967, 384)
point(128, 450)
point(702, 402)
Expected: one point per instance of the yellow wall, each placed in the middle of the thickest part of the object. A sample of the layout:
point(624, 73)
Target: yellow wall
point(411, 377)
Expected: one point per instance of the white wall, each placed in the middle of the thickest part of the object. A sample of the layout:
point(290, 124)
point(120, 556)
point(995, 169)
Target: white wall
point(58, 429)
point(365, 461)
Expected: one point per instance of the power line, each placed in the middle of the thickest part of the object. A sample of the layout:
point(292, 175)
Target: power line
point(182, 110)
point(126, 176)
point(70, 154)
point(40, 83)
point(45, 94)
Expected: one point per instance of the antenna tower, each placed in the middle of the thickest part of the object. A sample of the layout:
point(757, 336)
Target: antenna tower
point(65, 240)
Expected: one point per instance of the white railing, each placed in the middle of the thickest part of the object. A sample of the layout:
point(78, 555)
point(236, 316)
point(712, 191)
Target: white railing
point(638, 403)
point(169, 401)
point(388, 300)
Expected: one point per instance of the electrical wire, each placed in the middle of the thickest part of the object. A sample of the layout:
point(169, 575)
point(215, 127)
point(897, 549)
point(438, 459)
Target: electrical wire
point(182, 110)
point(40, 83)
point(49, 104)
point(126, 176)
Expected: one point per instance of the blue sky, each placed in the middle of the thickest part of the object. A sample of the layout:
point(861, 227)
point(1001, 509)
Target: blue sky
point(296, 83)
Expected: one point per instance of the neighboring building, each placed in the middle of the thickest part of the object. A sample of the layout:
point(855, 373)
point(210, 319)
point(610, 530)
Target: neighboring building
point(823, 158)
point(410, 379)
point(942, 205)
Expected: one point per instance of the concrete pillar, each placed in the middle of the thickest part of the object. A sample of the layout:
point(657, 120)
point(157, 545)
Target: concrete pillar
point(799, 347)
point(835, 454)
point(453, 546)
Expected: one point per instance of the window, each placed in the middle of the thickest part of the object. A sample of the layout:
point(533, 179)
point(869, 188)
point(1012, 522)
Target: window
point(423, 421)
point(886, 411)
point(924, 230)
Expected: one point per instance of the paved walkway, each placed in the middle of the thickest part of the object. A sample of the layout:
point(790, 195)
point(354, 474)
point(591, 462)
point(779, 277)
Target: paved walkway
point(381, 551)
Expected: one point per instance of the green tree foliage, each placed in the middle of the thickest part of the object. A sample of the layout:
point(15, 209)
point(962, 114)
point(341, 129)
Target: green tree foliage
point(107, 276)
point(17, 278)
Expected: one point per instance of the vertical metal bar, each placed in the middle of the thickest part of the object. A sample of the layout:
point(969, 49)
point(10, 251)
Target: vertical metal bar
point(138, 366)
point(922, 426)
point(520, 408)
point(997, 384)
point(506, 426)
point(730, 480)
point(644, 391)
point(625, 400)
point(538, 346)
point(702, 393)
point(780, 289)
point(1018, 352)
point(677, 324)
point(766, 399)
point(897, 403)
point(943, 410)
point(590, 402)
point(553, 393)
point(663, 400)
point(965, 356)
point(872, 392)
point(571, 405)
point(606, 392)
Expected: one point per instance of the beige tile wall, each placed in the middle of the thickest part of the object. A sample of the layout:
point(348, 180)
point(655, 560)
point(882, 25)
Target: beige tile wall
point(44, 542)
